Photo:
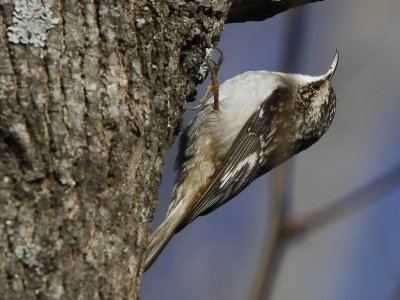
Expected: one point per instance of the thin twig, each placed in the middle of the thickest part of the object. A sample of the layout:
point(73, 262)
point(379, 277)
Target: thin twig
point(272, 234)
point(342, 208)
point(345, 206)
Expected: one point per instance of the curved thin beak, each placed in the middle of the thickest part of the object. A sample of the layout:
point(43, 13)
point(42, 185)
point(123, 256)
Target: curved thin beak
point(331, 71)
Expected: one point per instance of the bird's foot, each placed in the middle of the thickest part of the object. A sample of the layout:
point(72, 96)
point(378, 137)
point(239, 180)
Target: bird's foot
point(213, 68)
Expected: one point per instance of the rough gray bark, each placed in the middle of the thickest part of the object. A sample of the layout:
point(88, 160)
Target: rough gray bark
point(92, 95)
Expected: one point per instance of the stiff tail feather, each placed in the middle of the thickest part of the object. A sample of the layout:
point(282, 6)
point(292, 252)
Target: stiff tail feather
point(160, 238)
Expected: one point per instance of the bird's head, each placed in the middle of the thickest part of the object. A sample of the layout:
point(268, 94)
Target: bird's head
point(315, 105)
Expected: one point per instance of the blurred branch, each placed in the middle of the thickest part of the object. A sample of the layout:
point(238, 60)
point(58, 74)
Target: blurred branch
point(280, 229)
point(345, 206)
point(272, 233)
point(258, 10)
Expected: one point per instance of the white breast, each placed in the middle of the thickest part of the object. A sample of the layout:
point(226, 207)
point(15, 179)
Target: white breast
point(240, 97)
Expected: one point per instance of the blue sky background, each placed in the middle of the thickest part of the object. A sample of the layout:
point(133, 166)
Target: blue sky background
point(355, 258)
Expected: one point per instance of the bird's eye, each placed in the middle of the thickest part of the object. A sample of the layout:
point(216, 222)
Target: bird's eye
point(316, 87)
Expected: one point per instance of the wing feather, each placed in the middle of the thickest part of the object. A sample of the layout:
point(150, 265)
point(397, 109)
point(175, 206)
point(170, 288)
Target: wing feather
point(248, 156)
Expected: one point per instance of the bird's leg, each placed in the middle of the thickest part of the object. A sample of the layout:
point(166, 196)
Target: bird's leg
point(213, 68)
point(214, 78)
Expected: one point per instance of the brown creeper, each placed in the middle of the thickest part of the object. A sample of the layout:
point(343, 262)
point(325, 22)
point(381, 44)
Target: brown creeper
point(264, 118)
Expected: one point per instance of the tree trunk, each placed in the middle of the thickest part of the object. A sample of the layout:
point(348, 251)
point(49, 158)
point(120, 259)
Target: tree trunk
point(92, 95)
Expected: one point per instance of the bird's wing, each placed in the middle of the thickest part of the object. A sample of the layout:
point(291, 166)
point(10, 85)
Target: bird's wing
point(189, 138)
point(248, 158)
